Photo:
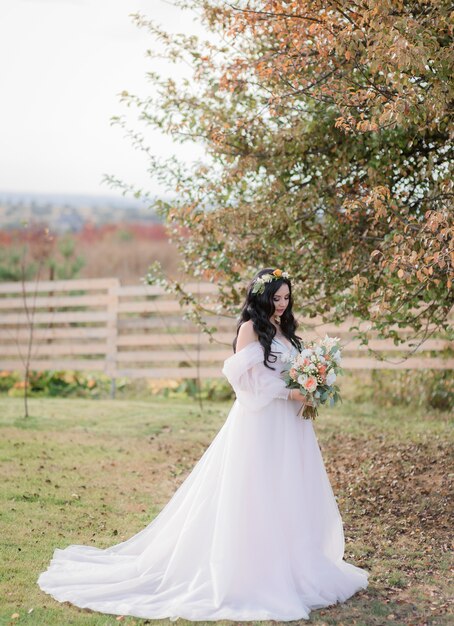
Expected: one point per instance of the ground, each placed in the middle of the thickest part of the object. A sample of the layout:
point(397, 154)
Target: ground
point(95, 472)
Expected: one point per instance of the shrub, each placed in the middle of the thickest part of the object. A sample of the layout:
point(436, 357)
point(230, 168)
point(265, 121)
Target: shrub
point(59, 383)
point(8, 380)
point(428, 388)
point(95, 385)
point(210, 389)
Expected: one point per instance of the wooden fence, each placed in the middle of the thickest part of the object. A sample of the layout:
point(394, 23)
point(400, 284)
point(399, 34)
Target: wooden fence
point(141, 331)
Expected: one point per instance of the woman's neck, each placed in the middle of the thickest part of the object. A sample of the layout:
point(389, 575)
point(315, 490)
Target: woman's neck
point(276, 325)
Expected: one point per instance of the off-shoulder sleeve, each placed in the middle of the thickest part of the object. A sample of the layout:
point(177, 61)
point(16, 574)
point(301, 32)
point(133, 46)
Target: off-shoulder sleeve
point(255, 385)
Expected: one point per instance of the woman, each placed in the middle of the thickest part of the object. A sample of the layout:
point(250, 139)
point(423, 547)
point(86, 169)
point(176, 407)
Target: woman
point(254, 532)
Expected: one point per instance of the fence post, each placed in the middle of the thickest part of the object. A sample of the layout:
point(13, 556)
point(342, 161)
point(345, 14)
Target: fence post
point(112, 333)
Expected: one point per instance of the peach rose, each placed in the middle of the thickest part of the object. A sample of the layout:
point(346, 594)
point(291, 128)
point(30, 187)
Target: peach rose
point(293, 373)
point(310, 384)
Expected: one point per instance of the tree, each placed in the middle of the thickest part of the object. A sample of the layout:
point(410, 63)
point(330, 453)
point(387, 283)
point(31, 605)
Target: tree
point(329, 142)
point(36, 256)
point(32, 250)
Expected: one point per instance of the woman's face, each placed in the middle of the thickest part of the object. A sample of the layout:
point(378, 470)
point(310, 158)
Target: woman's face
point(281, 299)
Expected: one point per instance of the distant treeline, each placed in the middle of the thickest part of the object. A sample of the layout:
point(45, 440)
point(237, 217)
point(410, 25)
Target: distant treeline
point(68, 213)
point(124, 249)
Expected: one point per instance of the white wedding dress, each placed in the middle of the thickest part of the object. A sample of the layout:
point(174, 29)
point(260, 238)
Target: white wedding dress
point(253, 533)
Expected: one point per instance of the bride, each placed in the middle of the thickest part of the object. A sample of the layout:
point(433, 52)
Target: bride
point(254, 532)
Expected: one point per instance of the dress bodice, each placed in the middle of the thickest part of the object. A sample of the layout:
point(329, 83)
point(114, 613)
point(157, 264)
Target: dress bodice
point(283, 348)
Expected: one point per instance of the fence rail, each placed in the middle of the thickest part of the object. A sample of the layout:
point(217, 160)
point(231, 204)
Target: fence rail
point(141, 331)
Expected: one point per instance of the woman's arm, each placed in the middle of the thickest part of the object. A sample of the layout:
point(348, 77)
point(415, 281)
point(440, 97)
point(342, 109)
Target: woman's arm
point(251, 380)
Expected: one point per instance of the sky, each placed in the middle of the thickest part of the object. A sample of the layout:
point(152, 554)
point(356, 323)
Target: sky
point(62, 65)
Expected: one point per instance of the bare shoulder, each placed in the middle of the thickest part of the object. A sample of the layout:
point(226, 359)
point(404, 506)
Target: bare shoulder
point(246, 335)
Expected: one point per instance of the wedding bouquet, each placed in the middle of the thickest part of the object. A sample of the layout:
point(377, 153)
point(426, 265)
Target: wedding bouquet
point(313, 372)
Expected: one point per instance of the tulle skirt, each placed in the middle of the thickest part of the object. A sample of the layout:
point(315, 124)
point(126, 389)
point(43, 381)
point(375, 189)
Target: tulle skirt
point(253, 533)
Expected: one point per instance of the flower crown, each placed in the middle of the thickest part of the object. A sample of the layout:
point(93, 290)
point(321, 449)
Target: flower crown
point(260, 282)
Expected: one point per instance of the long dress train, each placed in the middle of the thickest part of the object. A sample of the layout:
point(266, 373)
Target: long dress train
point(253, 533)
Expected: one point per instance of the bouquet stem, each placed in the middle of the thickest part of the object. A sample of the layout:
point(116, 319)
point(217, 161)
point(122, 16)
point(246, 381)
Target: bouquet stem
point(308, 412)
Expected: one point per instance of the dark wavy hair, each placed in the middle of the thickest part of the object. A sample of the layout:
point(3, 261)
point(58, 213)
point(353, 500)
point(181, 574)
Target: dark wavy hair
point(259, 307)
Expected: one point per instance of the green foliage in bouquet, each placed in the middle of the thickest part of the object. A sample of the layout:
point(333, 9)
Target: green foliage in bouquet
point(331, 394)
point(316, 379)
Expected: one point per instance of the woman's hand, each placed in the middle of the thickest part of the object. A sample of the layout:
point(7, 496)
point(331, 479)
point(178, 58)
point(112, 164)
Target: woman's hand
point(295, 394)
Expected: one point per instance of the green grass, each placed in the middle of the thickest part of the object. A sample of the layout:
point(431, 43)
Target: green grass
point(96, 472)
